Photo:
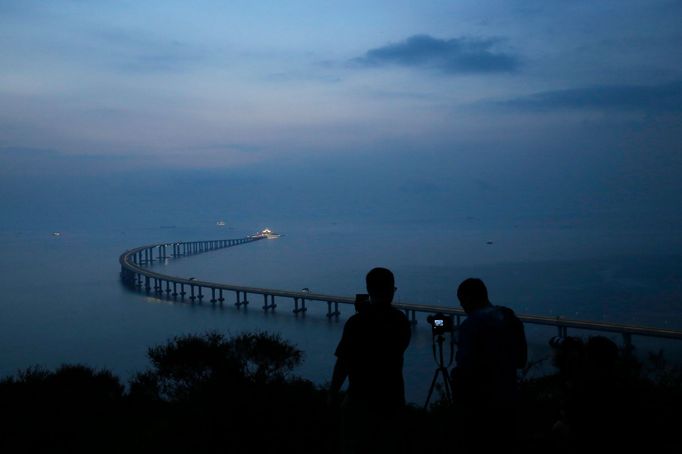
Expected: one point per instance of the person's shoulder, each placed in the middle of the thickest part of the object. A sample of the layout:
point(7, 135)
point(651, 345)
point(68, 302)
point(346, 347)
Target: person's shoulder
point(506, 312)
point(353, 321)
point(398, 314)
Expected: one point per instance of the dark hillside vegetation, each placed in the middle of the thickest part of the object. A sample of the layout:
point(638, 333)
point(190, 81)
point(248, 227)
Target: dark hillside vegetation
point(211, 393)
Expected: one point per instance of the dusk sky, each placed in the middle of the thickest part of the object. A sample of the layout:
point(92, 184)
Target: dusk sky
point(577, 103)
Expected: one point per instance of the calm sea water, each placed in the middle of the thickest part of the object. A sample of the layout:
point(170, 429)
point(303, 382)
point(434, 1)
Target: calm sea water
point(62, 301)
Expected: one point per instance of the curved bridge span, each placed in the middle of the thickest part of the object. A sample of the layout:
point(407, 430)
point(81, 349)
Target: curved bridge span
point(137, 277)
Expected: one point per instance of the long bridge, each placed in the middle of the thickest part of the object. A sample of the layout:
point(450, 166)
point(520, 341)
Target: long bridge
point(136, 276)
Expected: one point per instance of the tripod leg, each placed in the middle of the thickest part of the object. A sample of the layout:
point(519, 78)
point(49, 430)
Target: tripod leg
point(433, 385)
point(446, 384)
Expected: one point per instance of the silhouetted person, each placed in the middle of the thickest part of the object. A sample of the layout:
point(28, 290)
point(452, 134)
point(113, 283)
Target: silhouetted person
point(370, 354)
point(492, 346)
point(596, 400)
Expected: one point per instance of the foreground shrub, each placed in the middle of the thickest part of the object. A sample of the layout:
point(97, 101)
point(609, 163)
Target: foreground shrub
point(237, 393)
point(72, 406)
point(192, 366)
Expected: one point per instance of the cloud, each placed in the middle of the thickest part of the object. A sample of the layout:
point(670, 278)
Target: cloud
point(139, 52)
point(451, 56)
point(650, 98)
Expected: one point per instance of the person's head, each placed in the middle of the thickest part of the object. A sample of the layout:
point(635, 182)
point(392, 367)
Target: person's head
point(567, 354)
point(472, 294)
point(380, 285)
point(601, 353)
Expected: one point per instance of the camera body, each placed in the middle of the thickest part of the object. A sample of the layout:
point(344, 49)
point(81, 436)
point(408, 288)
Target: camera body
point(440, 323)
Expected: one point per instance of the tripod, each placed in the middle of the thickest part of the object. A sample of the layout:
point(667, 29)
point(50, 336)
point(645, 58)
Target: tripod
point(442, 369)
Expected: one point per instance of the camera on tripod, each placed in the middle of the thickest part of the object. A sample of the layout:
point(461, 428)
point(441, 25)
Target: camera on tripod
point(440, 323)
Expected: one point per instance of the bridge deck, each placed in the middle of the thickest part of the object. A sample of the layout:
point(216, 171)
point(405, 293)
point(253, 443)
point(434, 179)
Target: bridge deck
point(134, 270)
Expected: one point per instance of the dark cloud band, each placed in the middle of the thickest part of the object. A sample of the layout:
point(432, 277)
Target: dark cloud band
point(451, 56)
point(654, 98)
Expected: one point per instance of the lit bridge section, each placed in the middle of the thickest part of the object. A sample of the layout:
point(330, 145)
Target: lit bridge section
point(135, 276)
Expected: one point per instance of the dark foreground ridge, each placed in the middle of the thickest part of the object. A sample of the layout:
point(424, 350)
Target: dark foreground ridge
point(212, 393)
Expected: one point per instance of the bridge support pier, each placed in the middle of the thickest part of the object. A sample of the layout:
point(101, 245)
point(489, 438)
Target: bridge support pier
point(627, 344)
point(335, 313)
point(220, 297)
point(412, 315)
point(272, 304)
point(298, 309)
point(239, 302)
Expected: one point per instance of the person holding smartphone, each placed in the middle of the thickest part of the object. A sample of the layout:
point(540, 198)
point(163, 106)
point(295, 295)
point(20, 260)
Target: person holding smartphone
point(370, 355)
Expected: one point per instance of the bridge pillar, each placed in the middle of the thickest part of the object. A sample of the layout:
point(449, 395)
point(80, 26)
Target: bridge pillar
point(272, 304)
point(335, 313)
point(201, 295)
point(182, 291)
point(168, 290)
point(412, 316)
point(191, 289)
point(175, 290)
point(244, 302)
point(213, 300)
point(298, 309)
point(147, 287)
point(220, 298)
point(627, 344)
